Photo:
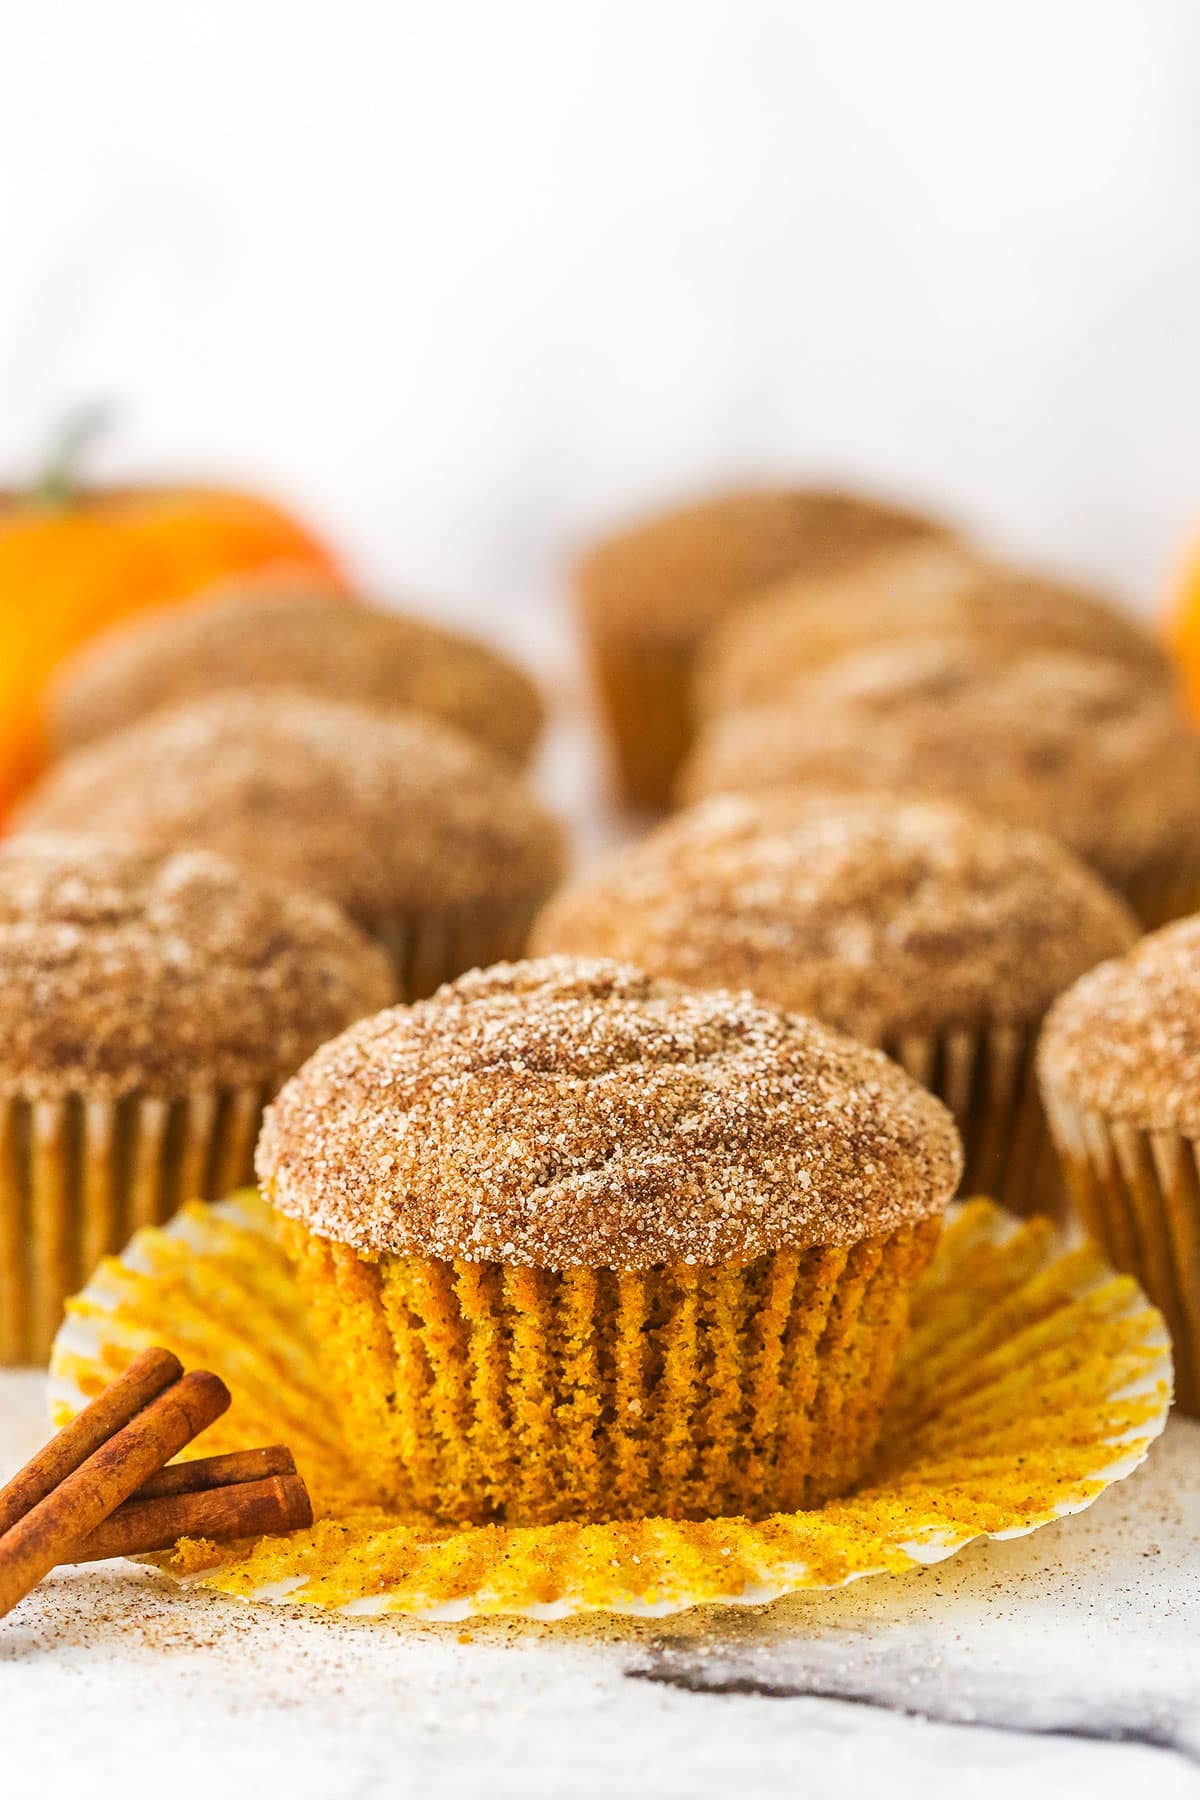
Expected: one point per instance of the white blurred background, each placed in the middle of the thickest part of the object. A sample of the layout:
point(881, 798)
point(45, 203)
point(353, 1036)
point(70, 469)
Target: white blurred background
point(465, 281)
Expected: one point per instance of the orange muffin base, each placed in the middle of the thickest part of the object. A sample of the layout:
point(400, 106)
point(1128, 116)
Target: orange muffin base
point(473, 1393)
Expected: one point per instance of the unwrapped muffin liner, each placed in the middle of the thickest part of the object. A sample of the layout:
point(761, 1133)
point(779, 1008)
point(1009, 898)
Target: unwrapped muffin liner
point(988, 1080)
point(645, 690)
point(1030, 1380)
point(1138, 1194)
point(475, 1393)
point(79, 1175)
point(427, 950)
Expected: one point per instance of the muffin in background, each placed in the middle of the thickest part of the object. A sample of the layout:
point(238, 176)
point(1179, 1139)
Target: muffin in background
point(295, 636)
point(433, 844)
point(930, 931)
point(648, 594)
point(1120, 1069)
point(760, 654)
point(581, 1245)
point(1080, 747)
point(149, 1006)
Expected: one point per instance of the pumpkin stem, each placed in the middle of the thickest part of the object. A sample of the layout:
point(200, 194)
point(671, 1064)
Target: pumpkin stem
point(58, 482)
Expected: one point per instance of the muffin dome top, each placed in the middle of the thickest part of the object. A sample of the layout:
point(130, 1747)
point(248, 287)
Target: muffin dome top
point(123, 969)
point(567, 1113)
point(301, 638)
point(1125, 1040)
point(671, 575)
point(1082, 748)
point(880, 917)
point(378, 813)
point(916, 590)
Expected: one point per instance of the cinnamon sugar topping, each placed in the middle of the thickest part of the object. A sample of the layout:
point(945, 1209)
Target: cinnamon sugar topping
point(120, 969)
point(1082, 748)
point(880, 917)
point(301, 637)
point(1125, 1040)
point(568, 1113)
point(382, 814)
point(922, 589)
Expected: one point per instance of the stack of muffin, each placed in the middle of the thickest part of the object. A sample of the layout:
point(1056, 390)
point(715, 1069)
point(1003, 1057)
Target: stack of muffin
point(271, 813)
point(628, 1227)
point(924, 793)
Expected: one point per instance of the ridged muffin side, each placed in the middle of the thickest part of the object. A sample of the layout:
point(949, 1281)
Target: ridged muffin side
point(480, 1392)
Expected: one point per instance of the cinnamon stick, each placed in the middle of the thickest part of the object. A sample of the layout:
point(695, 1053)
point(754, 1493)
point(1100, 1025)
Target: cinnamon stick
point(46, 1535)
point(147, 1376)
point(217, 1471)
point(240, 1510)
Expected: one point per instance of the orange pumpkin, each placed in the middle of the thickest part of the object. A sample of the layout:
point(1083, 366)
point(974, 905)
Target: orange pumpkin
point(1183, 626)
point(74, 562)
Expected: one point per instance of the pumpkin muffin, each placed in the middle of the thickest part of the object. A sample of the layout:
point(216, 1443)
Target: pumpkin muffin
point(923, 928)
point(149, 1005)
point(1077, 746)
point(1120, 1071)
point(649, 594)
point(759, 655)
point(583, 1245)
point(429, 841)
point(297, 637)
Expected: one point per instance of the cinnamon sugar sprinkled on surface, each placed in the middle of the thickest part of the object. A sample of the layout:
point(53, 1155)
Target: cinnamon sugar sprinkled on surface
point(1125, 1040)
point(876, 916)
point(300, 637)
point(565, 1113)
point(922, 589)
point(671, 575)
point(1082, 748)
point(380, 814)
point(122, 969)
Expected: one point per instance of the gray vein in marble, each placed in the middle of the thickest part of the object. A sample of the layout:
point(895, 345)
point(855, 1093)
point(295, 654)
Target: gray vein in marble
point(920, 1682)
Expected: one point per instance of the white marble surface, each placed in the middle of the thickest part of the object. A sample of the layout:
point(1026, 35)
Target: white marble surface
point(1067, 1663)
